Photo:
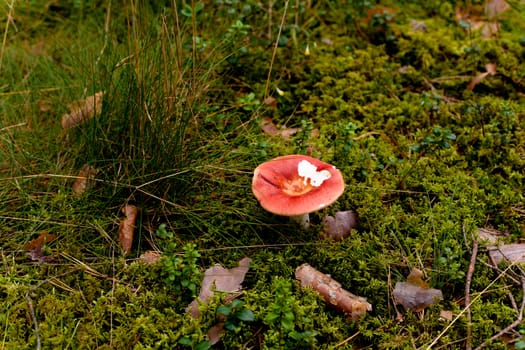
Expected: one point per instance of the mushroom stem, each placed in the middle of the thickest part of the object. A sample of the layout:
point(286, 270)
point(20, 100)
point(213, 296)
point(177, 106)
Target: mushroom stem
point(303, 220)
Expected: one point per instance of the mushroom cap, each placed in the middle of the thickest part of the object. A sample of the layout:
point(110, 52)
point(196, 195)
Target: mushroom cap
point(280, 189)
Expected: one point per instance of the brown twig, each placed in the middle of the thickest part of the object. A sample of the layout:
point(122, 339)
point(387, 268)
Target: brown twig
point(514, 324)
point(470, 273)
point(347, 340)
point(35, 322)
point(460, 314)
point(434, 91)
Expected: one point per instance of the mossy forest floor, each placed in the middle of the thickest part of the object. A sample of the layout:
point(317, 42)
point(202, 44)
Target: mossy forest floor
point(421, 107)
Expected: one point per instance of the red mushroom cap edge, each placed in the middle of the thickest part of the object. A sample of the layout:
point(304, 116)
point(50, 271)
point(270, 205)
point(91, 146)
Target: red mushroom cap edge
point(272, 181)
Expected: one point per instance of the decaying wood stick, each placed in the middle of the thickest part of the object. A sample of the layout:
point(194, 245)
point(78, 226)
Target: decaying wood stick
point(515, 253)
point(332, 292)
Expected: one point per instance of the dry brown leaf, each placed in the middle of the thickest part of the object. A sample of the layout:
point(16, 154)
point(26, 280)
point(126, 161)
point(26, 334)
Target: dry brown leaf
point(218, 278)
point(37, 254)
point(127, 227)
point(332, 292)
point(339, 227)
point(44, 106)
point(415, 294)
point(149, 257)
point(418, 26)
point(513, 253)
point(84, 179)
point(270, 102)
point(35, 248)
point(215, 333)
point(446, 315)
point(483, 18)
point(490, 70)
point(269, 128)
point(40, 241)
point(494, 8)
point(79, 111)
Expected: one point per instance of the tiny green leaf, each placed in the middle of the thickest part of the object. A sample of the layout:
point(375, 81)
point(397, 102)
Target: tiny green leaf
point(245, 315)
point(224, 310)
point(205, 345)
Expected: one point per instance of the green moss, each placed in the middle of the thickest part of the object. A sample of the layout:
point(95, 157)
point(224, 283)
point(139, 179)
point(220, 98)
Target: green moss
point(426, 163)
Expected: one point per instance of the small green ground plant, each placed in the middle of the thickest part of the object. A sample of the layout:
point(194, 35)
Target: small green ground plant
point(180, 272)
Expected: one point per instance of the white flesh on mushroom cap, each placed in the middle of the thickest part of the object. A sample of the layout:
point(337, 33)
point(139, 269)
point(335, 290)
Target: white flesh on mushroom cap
point(307, 170)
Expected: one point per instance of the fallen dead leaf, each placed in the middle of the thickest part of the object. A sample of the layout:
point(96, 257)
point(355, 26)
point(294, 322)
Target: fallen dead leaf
point(44, 106)
point(483, 18)
point(339, 227)
point(215, 333)
point(269, 128)
point(446, 315)
point(218, 278)
point(418, 26)
point(80, 111)
point(415, 294)
point(40, 241)
point(36, 248)
point(37, 254)
point(270, 102)
point(352, 305)
point(127, 227)
point(494, 8)
point(84, 179)
point(149, 257)
point(490, 70)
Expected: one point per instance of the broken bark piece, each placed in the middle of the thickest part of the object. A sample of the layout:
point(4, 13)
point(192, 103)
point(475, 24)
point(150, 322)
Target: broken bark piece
point(415, 294)
point(489, 235)
point(332, 292)
point(513, 253)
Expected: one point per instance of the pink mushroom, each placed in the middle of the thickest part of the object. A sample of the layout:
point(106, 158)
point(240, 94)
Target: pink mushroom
point(296, 185)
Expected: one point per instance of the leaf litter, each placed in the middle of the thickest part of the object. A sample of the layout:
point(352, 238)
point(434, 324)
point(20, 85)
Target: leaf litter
point(269, 128)
point(82, 110)
point(127, 227)
point(35, 248)
point(219, 279)
point(84, 179)
point(339, 226)
point(415, 294)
